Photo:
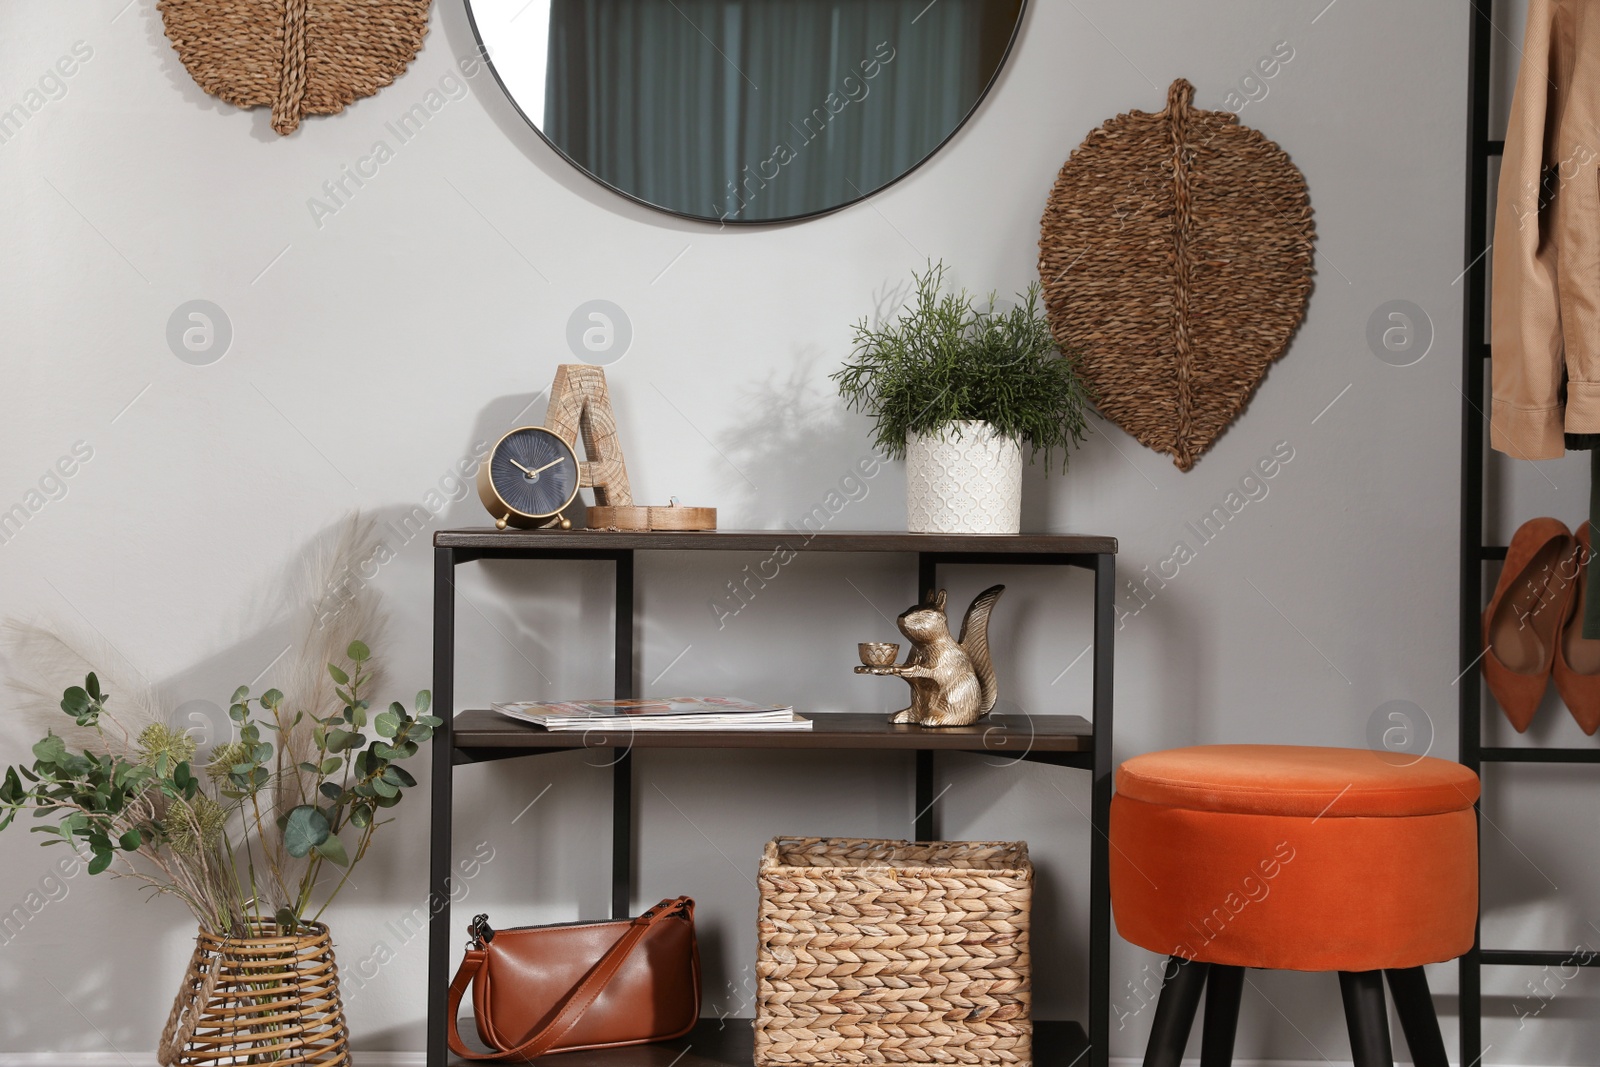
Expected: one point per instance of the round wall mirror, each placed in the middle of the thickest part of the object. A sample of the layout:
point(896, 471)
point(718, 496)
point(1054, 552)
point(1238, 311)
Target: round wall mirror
point(746, 110)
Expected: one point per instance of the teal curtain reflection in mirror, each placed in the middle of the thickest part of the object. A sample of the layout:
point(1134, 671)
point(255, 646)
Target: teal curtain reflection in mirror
point(752, 110)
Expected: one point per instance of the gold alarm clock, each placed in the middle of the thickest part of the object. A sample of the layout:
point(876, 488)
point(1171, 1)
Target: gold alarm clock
point(529, 478)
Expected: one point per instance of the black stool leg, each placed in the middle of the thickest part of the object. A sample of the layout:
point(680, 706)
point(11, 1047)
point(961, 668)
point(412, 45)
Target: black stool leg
point(1367, 1016)
point(1414, 1004)
point(1180, 996)
point(1223, 989)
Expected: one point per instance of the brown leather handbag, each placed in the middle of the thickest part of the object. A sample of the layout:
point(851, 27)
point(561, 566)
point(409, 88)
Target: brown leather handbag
point(571, 986)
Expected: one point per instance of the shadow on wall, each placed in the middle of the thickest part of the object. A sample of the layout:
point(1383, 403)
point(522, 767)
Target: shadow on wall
point(277, 614)
point(258, 644)
point(314, 585)
point(792, 440)
point(796, 440)
point(523, 592)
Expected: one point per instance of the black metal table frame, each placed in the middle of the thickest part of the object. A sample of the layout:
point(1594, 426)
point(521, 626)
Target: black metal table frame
point(442, 943)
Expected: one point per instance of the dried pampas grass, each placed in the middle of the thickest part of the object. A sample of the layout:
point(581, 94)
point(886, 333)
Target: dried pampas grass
point(330, 598)
point(230, 863)
point(327, 597)
point(46, 658)
point(333, 603)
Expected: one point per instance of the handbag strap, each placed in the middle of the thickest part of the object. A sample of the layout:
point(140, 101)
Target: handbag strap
point(577, 1001)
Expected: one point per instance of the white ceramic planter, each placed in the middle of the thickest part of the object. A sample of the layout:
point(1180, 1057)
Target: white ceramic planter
point(965, 480)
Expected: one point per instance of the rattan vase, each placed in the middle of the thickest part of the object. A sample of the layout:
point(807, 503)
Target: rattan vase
point(260, 999)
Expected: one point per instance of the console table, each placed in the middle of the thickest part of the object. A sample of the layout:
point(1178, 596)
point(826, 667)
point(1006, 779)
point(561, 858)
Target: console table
point(477, 736)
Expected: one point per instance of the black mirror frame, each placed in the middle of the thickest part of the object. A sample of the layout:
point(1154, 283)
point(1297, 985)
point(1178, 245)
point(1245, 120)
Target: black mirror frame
point(1005, 59)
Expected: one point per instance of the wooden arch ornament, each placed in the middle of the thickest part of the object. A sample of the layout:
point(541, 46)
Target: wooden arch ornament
point(580, 407)
point(1176, 260)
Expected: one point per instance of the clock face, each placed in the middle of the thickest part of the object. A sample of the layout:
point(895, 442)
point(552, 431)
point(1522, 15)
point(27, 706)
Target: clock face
point(534, 472)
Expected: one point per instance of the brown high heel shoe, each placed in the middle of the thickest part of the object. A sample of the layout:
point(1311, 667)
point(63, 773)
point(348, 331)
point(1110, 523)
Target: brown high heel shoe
point(1577, 666)
point(1523, 622)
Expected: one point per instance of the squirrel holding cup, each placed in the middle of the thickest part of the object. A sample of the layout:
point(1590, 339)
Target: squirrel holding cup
point(952, 679)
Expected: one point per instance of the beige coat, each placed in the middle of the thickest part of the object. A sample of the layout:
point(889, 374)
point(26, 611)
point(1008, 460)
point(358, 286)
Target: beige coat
point(1545, 311)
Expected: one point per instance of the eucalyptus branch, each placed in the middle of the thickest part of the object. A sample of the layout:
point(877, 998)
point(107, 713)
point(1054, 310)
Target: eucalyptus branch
point(205, 838)
point(361, 850)
point(266, 847)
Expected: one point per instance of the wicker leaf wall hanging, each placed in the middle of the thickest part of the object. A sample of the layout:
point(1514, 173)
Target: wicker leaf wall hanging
point(298, 57)
point(1176, 257)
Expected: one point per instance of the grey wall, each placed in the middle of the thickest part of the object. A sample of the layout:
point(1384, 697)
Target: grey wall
point(372, 352)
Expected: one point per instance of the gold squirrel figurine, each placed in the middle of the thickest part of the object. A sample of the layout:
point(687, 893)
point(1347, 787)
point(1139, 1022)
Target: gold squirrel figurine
point(952, 679)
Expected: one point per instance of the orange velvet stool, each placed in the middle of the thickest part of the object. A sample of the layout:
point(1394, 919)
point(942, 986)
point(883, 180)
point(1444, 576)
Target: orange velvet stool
point(1290, 858)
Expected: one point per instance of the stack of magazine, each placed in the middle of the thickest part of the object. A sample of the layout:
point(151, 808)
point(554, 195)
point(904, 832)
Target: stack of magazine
point(661, 713)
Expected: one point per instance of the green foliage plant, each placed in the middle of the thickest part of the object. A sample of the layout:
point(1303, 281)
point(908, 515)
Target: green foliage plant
point(946, 360)
point(243, 840)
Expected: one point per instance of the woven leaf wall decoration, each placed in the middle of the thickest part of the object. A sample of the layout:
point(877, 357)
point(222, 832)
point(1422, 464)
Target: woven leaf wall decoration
point(298, 57)
point(1176, 257)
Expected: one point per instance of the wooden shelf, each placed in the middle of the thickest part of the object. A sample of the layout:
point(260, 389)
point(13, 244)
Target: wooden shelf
point(488, 539)
point(731, 1043)
point(1062, 739)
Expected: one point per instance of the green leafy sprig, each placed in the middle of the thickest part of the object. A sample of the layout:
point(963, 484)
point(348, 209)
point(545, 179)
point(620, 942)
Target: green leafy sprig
point(212, 839)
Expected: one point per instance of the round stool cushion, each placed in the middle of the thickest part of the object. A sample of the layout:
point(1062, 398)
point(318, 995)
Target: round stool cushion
point(1295, 858)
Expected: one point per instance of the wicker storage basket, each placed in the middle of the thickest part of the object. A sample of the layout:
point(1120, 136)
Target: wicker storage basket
point(892, 952)
point(261, 999)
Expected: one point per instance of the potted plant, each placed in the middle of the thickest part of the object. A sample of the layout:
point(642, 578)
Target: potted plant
point(249, 839)
point(957, 389)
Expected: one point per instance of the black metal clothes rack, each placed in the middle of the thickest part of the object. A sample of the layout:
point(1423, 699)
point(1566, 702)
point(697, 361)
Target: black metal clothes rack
point(476, 736)
point(1475, 554)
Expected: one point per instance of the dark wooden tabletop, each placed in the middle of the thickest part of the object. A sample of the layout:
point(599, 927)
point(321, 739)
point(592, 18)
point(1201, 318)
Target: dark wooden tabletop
point(1009, 735)
point(487, 537)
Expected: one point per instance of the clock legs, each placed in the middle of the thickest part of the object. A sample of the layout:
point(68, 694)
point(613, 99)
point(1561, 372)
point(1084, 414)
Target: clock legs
point(558, 521)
